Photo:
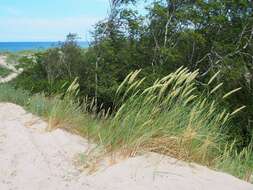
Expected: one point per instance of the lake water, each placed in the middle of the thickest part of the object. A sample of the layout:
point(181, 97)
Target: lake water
point(21, 46)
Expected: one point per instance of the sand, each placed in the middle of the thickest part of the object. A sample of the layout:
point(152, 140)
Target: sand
point(33, 159)
point(13, 74)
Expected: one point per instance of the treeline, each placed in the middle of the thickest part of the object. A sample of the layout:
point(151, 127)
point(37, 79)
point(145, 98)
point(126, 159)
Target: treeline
point(212, 36)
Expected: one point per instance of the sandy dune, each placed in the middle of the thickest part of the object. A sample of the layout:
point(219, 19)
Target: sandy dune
point(1, 59)
point(32, 159)
point(14, 73)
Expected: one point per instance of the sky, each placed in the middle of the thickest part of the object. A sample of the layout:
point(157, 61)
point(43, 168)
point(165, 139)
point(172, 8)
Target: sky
point(48, 20)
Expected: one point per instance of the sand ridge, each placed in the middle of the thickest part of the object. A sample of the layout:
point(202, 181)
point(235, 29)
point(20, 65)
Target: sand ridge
point(13, 74)
point(33, 159)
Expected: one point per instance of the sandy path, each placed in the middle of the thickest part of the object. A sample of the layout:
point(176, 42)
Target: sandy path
point(32, 159)
point(14, 73)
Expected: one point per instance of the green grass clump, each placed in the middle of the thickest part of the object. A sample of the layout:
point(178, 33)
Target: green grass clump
point(237, 163)
point(61, 111)
point(4, 72)
point(14, 58)
point(11, 94)
point(40, 105)
point(169, 117)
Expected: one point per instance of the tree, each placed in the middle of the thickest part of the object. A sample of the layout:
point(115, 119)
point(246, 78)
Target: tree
point(205, 35)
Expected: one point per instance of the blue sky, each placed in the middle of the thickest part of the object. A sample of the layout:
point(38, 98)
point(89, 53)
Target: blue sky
point(48, 20)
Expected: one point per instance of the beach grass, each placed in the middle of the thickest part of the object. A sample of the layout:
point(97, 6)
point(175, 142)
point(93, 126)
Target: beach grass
point(170, 117)
point(10, 94)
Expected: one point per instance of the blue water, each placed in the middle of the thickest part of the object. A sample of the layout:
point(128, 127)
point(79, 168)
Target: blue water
point(21, 46)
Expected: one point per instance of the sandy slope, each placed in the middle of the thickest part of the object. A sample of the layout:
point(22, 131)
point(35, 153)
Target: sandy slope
point(32, 159)
point(14, 73)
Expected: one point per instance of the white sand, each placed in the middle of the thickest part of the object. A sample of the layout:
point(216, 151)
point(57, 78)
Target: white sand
point(12, 75)
point(32, 159)
point(2, 60)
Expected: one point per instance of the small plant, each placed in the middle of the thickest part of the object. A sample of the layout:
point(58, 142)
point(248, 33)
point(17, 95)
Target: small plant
point(4, 72)
point(237, 163)
point(66, 111)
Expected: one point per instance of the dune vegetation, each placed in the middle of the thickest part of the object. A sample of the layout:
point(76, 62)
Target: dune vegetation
point(176, 81)
point(170, 117)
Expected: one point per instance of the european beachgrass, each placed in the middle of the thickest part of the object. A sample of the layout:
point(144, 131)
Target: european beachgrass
point(170, 117)
point(61, 110)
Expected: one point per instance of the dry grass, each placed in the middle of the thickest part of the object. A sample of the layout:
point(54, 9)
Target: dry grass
point(170, 117)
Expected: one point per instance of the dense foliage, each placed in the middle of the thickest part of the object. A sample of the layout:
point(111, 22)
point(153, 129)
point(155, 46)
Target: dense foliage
point(208, 35)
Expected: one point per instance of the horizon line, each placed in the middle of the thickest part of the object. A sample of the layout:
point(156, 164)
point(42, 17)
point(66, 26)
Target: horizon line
point(38, 41)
